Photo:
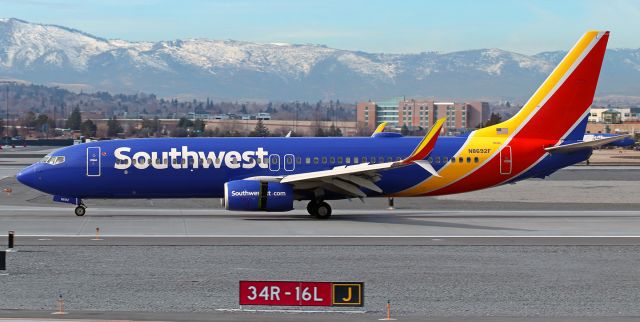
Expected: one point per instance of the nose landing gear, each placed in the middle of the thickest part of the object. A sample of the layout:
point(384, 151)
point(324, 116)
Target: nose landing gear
point(319, 209)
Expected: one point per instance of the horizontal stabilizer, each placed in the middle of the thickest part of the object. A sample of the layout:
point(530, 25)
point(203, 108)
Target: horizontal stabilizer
point(585, 145)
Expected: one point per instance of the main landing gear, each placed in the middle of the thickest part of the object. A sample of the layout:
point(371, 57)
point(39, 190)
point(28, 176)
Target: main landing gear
point(80, 210)
point(319, 209)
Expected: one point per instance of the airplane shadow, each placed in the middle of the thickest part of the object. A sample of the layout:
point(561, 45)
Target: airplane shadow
point(417, 219)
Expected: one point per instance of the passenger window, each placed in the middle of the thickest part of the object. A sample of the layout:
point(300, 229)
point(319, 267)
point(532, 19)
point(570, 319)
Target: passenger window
point(437, 160)
point(134, 162)
point(445, 159)
point(316, 160)
point(339, 160)
point(389, 159)
point(476, 160)
point(398, 159)
point(430, 160)
point(453, 160)
point(307, 160)
point(381, 159)
point(364, 159)
point(468, 159)
point(332, 160)
point(324, 160)
point(347, 160)
point(372, 160)
point(298, 160)
point(461, 159)
point(355, 160)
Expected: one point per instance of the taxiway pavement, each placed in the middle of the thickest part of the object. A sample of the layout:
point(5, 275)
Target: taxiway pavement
point(553, 250)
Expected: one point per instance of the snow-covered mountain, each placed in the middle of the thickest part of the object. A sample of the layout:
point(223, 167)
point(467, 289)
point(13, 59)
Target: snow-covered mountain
point(55, 55)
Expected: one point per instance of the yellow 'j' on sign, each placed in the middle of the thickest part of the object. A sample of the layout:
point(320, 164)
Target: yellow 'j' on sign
point(348, 294)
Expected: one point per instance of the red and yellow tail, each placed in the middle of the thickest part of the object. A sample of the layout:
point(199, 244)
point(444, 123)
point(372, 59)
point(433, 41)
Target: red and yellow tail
point(557, 111)
point(562, 102)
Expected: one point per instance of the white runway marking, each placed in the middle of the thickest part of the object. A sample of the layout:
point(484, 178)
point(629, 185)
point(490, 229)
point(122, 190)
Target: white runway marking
point(300, 211)
point(292, 311)
point(434, 237)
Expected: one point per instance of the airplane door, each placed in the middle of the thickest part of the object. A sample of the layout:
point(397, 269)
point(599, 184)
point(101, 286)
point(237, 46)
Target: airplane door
point(289, 162)
point(505, 160)
point(93, 161)
point(274, 162)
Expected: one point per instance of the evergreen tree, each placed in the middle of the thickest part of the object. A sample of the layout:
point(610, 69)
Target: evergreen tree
point(334, 131)
point(198, 126)
point(75, 119)
point(113, 127)
point(494, 119)
point(88, 128)
point(404, 130)
point(185, 122)
point(260, 130)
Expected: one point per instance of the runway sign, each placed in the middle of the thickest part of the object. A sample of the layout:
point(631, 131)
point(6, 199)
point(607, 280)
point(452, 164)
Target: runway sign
point(287, 293)
point(348, 294)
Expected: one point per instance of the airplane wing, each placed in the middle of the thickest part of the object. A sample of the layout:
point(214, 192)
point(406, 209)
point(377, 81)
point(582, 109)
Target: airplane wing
point(349, 179)
point(585, 145)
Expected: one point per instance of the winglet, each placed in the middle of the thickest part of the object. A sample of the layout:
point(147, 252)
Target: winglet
point(379, 129)
point(426, 145)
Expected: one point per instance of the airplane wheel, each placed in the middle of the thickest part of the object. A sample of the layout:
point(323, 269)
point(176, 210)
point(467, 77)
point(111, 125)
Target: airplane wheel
point(323, 210)
point(312, 208)
point(80, 211)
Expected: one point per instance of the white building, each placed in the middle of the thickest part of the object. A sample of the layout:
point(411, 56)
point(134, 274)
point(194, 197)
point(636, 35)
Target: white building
point(626, 114)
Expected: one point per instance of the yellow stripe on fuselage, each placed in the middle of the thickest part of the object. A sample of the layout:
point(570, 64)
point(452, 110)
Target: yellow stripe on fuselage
point(489, 138)
point(453, 171)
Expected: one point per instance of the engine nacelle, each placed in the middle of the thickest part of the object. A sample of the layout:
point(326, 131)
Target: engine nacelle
point(254, 195)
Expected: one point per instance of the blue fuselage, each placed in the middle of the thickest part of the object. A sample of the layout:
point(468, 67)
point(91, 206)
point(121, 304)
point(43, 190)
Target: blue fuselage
point(92, 170)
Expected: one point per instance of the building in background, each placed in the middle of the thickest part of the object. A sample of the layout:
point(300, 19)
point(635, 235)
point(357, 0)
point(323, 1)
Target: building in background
point(614, 115)
point(421, 114)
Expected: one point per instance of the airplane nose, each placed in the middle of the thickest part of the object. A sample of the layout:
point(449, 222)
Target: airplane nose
point(28, 176)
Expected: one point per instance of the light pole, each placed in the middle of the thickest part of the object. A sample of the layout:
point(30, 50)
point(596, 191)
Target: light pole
point(6, 122)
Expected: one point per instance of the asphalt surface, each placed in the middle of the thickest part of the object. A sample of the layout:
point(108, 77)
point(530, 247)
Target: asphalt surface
point(420, 281)
point(561, 249)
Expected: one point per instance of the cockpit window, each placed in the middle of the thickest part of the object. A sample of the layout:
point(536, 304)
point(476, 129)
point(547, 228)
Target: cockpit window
point(52, 160)
point(59, 159)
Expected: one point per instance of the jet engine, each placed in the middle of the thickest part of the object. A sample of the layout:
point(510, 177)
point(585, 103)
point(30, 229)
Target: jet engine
point(254, 195)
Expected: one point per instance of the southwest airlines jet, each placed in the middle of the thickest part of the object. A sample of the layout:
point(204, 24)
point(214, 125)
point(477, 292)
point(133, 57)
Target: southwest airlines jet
point(268, 174)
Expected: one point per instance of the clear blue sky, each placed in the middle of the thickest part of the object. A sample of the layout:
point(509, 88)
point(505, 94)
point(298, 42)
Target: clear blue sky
point(399, 26)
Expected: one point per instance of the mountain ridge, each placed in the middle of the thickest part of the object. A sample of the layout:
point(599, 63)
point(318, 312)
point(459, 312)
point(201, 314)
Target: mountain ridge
point(231, 69)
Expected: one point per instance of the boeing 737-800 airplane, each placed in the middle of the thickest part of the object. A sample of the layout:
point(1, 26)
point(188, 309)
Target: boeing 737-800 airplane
point(268, 174)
